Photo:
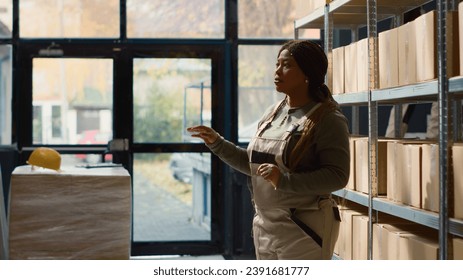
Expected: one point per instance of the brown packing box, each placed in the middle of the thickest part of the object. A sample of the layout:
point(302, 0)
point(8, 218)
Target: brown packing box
point(407, 53)
point(351, 183)
point(430, 177)
point(426, 36)
point(302, 8)
point(380, 249)
point(360, 237)
point(404, 170)
point(425, 46)
point(417, 247)
point(457, 162)
point(397, 175)
point(453, 44)
point(338, 70)
point(362, 65)
point(414, 159)
point(387, 243)
point(361, 165)
point(78, 213)
point(393, 160)
point(316, 4)
point(384, 241)
point(404, 173)
point(409, 174)
point(457, 248)
point(344, 244)
point(388, 52)
point(350, 73)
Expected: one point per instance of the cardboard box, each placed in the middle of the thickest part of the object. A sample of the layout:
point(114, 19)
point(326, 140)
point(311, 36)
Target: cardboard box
point(362, 65)
point(78, 213)
point(385, 241)
point(343, 247)
point(426, 42)
point(350, 73)
point(388, 58)
point(411, 190)
point(304, 7)
point(351, 183)
point(316, 4)
point(457, 248)
point(430, 177)
point(362, 166)
point(417, 247)
point(338, 70)
point(388, 243)
point(395, 157)
point(453, 44)
point(360, 237)
point(407, 53)
point(457, 162)
point(425, 30)
point(404, 178)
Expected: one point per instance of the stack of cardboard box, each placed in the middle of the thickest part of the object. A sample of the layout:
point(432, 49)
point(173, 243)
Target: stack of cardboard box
point(406, 55)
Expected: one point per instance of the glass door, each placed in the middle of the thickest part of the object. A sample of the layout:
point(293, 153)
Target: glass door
point(171, 189)
point(173, 193)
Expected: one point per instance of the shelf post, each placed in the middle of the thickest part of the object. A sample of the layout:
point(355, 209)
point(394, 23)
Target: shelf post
point(445, 120)
point(355, 109)
point(328, 34)
point(372, 116)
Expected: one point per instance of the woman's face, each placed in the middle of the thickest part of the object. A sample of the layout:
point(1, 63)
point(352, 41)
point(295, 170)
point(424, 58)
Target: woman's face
point(289, 78)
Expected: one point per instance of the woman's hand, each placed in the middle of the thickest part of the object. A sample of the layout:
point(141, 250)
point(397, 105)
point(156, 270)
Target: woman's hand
point(206, 133)
point(270, 172)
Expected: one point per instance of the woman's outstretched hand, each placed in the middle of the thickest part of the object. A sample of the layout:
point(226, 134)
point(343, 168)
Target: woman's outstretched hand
point(206, 133)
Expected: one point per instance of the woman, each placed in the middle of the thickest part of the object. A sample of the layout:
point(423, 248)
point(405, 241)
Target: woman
point(299, 155)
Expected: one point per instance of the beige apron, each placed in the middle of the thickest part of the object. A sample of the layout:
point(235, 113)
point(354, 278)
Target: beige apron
point(287, 225)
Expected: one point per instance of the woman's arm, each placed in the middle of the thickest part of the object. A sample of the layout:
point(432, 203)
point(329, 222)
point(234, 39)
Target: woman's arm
point(228, 152)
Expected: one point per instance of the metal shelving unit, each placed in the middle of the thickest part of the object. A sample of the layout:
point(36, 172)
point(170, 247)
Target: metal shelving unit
point(353, 14)
point(348, 13)
point(420, 216)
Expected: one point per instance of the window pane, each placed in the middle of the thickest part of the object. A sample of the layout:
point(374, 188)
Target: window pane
point(5, 95)
point(272, 19)
point(256, 66)
point(6, 15)
point(175, 19)
point(69, 18)
point(170, 95)
point(172, 197)
point(72, 101)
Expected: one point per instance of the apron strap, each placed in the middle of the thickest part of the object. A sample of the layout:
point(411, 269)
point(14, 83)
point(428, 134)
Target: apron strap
point(266, 123)
point(296, 125)
point(306, 228)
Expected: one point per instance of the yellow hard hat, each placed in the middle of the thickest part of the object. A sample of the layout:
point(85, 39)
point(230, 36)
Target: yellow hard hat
point(46, 158)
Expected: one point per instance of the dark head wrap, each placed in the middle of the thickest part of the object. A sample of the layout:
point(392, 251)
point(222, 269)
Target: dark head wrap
point(313, 62)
